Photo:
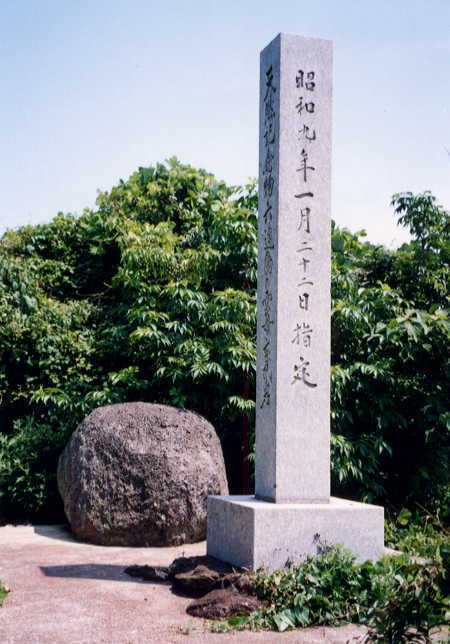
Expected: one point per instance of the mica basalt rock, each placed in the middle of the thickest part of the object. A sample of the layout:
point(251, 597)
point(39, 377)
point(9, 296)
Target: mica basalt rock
point(139, 474)
point(220, 603)
point(196, 576)
point(197, 582)
point(191, 576)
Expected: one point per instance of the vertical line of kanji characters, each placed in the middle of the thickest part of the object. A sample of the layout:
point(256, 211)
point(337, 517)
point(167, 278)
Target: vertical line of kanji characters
point(268, 184)
point(304, 223)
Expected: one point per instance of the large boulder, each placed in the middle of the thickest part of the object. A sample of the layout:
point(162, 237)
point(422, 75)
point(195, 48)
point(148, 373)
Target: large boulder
point(139, 474)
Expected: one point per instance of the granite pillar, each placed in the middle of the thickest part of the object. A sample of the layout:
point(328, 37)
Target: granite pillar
point(292, 513)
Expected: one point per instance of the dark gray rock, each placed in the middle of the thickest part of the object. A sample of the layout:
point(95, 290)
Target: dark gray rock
point(197, 576)
point(138, 474)
point(220, 603)
point(197, 582)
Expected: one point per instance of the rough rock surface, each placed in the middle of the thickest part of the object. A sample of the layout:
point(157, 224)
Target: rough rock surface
point(197, 582)
point(220, 603)
point(187, 564)
point(138, 474)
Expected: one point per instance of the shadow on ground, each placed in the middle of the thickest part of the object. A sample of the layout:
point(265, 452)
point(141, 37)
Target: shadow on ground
point(110, 572)
point(60, 532)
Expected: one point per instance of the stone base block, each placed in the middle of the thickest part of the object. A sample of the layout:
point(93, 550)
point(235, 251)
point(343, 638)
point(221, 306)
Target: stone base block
point(247, 532)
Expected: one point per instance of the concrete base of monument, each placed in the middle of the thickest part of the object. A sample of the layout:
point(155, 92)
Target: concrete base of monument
point(247, 532)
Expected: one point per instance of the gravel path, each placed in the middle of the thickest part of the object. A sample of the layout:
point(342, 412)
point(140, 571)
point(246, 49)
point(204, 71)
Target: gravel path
point(64, 591)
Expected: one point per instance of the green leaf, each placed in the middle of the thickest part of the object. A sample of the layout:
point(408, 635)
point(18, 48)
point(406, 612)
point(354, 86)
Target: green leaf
point(284, 620)
point(404, 516)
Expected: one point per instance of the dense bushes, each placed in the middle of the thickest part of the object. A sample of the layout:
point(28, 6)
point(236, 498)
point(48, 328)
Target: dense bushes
point(389, 337)
point(151, 296)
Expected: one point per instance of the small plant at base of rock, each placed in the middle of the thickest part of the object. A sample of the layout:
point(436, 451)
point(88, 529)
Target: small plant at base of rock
point(3, 593)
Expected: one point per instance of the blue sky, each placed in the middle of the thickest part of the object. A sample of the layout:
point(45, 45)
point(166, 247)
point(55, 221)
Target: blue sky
point(93, 89)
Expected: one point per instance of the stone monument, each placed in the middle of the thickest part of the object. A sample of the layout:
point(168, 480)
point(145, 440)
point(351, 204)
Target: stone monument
point(292, 513)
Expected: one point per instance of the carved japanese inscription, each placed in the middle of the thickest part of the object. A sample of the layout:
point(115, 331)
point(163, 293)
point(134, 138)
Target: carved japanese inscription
point(306, 107)
point(268, 303)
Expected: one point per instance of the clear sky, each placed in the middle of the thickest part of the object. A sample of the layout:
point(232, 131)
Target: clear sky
point(92, 89)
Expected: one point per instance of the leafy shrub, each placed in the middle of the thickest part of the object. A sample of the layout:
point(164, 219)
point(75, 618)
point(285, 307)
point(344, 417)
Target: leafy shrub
point(322, 590)
point(421, 535)
point(410, 605)
point(24, 484)
point(398, 599)
point(390, 331)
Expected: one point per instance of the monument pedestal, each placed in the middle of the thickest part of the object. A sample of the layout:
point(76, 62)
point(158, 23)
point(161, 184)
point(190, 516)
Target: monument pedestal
point(247, 532)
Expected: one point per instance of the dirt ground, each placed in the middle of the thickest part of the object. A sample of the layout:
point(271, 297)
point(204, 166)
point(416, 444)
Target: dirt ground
point(66, 591)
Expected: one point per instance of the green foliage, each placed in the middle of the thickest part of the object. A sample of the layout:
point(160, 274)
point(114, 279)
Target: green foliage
point(390, 331)
point(151, 296)
point(409, 603)
point(420, 534)
point(398, 599)
point(26, 484)
point(324, 589)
